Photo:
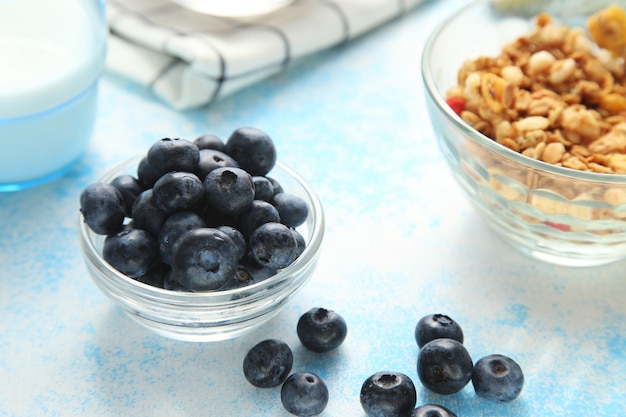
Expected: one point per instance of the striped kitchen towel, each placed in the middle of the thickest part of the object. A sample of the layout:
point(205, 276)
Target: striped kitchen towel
point(190, 59)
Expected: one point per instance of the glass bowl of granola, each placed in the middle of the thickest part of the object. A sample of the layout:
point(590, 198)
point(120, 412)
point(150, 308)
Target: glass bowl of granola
point(530, 113)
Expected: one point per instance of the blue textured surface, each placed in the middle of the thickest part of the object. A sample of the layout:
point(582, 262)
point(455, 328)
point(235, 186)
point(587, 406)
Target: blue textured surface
point(402, 241)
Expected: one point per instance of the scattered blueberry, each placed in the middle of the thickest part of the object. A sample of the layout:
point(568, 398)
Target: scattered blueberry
point(497, 378)
point(173, 154)
point(268, 363)
point(133, 252)
point(321, 330)
point(435, 326)
point(304, 394)
point(388, 394)
point(103, 208)
point(174, 227)
point(204, 259)
point(444, 366)
point(273, 245)
point(253, 149)
point(177, 191)
point(431, 410)
point(130, 188)
point(229, 190)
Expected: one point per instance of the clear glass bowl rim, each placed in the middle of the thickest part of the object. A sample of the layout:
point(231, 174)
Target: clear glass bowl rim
point(477, 137)
point(236, 296)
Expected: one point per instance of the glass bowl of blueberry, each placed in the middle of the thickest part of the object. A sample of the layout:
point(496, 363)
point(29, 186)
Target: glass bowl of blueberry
point(529, 111)
point(202, 240)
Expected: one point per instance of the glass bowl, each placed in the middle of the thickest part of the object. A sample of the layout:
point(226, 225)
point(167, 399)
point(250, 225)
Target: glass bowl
point(549, 212)
point(208, 316)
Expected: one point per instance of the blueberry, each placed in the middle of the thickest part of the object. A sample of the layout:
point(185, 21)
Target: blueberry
point(146, 176)
point(291, 208)
point(444, 366)
point(259, 212)
point(242, 278)
point(133, 252)
point(211, 159)
point(174, 227)
point(259, 273)
point(253, 149)
point(214, 218)
point(177, 191)
point(130, 188)
point(170, 282)
point(204, 259)
point(300, 242)
point(321, 330)
point(435, 326)
point(304, 394)
point(146, 214)
point(173, 154)
point(268, 363)
point(273, 245)
point(497, 378)
point(102, 207)
point(210, 141)
point(263, 188)
point(239, 241)
point(388, 394)
point(277, 187)
point(229, 190)
point(155, 276)
point(431, 410)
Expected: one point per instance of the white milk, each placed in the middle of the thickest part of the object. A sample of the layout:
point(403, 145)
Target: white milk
point(51, 54)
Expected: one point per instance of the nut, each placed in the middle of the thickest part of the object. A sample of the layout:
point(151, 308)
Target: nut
point(553, 152)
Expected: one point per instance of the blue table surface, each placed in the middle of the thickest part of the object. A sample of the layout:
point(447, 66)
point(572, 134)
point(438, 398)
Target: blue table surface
point(401, 241)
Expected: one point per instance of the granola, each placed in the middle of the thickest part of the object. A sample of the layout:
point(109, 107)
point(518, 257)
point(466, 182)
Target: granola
point(557, 94)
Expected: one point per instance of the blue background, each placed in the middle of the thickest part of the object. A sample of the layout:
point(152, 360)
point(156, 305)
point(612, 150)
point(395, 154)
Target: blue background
point(402, 241)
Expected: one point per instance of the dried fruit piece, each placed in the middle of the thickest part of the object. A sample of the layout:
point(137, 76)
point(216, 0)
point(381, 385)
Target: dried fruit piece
point(457, 104)
point(608, 29)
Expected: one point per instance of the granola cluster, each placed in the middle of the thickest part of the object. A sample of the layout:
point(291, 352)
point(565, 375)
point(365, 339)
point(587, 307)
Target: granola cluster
point(557, 94)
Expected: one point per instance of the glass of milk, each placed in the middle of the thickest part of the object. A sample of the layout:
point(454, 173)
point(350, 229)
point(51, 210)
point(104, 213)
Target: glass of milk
point(51, 56)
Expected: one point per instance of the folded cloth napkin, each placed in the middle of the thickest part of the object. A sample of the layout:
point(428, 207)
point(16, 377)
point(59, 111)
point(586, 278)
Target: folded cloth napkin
point(190, 59)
